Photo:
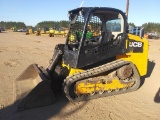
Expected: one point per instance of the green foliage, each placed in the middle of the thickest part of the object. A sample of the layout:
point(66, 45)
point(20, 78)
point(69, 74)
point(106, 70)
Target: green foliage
point(10, 25)
point(152, 27)
point(53, 24)
point(131, 24)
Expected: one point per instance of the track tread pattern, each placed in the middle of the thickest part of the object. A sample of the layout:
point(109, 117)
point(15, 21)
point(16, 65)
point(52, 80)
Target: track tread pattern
point(71, 80)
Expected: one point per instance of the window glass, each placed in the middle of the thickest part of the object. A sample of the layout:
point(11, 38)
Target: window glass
point(93, 29)
point(94, 26)
point(114, 25)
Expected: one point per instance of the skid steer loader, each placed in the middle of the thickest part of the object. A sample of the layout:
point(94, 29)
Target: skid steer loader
point(88, 65)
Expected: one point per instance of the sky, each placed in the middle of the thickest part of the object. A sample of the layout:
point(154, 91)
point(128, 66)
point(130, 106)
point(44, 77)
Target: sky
point(33, 11)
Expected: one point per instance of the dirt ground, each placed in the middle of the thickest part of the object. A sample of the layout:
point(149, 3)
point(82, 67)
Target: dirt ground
point(18, 50)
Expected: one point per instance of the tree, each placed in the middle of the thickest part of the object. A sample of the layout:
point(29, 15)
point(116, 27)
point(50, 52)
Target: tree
point(152, 27)
point(131, 24)
point(53, 24)
point(9, 25)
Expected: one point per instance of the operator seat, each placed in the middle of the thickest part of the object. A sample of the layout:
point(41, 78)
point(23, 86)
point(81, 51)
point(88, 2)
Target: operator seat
point(105, 36)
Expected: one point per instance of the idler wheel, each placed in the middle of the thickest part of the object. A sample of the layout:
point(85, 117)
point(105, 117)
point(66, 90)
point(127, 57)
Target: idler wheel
point(125, 72)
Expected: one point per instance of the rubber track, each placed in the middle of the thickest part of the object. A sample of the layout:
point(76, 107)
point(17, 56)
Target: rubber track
point(95, 71)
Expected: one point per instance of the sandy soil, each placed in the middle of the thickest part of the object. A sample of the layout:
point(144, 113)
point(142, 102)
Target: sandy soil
point(17, 51)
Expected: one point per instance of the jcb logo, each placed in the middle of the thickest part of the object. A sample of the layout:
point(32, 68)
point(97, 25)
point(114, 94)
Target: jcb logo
point(135, 44)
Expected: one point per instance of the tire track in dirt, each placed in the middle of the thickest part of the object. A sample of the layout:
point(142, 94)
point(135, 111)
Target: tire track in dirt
point(17, 51)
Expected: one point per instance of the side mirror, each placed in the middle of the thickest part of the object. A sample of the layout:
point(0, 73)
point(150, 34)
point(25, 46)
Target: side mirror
point(141, 32)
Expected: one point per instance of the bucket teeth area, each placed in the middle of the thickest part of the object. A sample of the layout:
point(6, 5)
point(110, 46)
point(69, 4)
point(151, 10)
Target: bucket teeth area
point(33, 89)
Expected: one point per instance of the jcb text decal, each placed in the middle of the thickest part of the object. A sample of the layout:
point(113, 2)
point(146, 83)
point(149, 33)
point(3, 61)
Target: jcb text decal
point(135, 44)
